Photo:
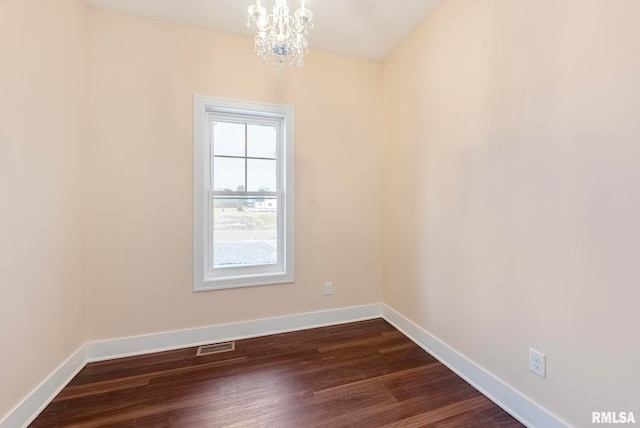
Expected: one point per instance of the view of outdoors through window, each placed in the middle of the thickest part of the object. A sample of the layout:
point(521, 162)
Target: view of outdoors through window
point(245, 194)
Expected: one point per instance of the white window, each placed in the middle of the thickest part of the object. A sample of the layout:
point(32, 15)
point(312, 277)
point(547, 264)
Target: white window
point(243, 194)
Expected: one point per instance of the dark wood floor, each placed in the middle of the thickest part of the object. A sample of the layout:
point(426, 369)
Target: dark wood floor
point(364, 374)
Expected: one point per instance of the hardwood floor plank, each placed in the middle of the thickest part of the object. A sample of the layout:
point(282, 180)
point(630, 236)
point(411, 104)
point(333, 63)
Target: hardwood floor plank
point(417, 371)
point(80, 390)
point(366, 343)
point(72, 392)
point(442, 413)
point(364, 374)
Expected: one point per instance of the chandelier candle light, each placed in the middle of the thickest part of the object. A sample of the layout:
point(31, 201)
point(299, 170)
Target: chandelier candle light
point(281, 41)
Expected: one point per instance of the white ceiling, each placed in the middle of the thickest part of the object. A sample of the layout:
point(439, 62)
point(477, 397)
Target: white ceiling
point(362, 28)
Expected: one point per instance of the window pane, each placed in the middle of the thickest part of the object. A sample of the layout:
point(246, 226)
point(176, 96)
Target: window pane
point(228, 174)
point(245, 231)
point(261, 141)
point(261, 175)
point(228, 139)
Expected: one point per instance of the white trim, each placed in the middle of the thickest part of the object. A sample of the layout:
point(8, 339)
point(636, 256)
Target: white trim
point(137, 345)
point(205, 277)
point(25, 412)
point(514, 403)
point(519, 406)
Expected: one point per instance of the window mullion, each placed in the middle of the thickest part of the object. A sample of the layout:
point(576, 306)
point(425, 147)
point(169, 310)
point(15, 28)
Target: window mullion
point(230, 193)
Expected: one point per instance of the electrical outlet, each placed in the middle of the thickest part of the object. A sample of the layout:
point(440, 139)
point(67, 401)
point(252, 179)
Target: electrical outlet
point(538, 363)
point(328, 288)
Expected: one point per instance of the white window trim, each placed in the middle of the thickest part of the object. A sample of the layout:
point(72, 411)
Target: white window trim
point(203, 278)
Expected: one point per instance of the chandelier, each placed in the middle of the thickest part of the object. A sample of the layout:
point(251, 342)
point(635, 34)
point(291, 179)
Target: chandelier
point(280, 42)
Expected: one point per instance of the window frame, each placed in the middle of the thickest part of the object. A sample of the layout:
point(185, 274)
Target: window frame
point(205, 276)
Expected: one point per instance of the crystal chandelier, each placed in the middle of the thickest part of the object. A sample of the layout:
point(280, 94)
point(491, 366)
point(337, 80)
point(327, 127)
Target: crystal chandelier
point(281, 41)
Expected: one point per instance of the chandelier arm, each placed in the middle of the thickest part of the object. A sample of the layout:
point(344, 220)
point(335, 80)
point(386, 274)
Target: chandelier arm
point(281, 41)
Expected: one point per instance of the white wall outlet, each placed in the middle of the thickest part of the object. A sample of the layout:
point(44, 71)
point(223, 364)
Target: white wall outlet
point(538, 363)
point(328, 288)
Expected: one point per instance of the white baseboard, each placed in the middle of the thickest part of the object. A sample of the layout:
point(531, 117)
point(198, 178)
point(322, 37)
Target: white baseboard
point(44, 393)
point(518, 406)
point(510, 400)
point(41, 396)
point(130, 346)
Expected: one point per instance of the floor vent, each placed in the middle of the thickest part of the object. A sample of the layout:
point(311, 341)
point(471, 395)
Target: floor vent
point(216, 348)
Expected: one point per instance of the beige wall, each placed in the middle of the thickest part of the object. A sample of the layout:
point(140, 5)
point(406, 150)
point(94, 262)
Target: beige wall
point(143, 77)
point(509, 205)
point(43, 102)
point(511, 193)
